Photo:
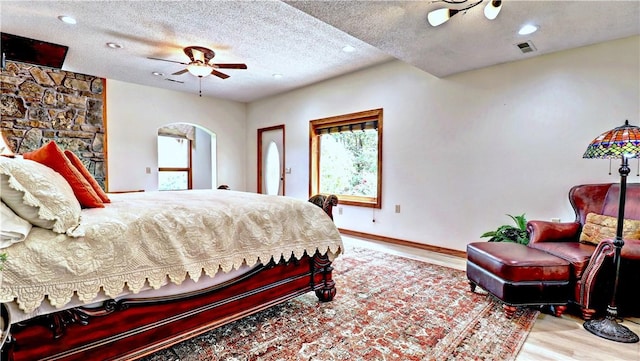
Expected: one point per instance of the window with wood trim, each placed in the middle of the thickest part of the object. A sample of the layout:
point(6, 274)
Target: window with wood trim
point(346, 157)
point(174, 163)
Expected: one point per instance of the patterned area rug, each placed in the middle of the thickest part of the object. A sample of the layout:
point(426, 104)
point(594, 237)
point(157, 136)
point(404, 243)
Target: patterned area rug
point(387, 308)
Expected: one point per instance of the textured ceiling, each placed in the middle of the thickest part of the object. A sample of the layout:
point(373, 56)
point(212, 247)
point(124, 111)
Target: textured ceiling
point(468, 40)
point(302, 40)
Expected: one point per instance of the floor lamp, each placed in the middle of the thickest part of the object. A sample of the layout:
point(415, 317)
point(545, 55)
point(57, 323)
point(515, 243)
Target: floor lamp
point(619, 143)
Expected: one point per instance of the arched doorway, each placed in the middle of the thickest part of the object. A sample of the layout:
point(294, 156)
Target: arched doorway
point(186, 157)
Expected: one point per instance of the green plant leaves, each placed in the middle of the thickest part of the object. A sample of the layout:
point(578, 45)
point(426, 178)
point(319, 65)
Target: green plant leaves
point(520, 221)
point(508, 233)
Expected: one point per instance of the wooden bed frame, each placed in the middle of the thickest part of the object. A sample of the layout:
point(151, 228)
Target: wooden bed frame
point(132, 328)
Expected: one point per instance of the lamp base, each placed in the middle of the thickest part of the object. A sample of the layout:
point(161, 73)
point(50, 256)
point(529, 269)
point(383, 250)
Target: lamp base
point(611, 330)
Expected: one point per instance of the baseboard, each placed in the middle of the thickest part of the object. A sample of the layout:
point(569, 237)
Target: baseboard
point(402, 242)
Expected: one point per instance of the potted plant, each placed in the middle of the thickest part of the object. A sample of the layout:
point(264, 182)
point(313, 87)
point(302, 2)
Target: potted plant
point(509, 233)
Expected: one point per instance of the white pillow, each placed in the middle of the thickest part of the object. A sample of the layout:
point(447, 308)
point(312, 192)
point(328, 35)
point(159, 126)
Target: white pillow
point(13, 229)
point(39, 195)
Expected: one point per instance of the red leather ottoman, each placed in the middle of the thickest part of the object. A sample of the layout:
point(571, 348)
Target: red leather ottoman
point(518, 275)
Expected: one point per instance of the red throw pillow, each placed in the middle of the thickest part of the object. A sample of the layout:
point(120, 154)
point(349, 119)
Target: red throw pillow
point(53, 157)
point(73, 158)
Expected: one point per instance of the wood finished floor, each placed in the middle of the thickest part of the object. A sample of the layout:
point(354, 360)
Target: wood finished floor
point(552, 338)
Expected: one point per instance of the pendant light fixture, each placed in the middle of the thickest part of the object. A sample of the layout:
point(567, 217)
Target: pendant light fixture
point(442, 15)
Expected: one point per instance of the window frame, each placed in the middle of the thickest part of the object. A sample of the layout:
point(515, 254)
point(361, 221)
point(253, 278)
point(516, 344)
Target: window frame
point(314, 154)
point(188, 169)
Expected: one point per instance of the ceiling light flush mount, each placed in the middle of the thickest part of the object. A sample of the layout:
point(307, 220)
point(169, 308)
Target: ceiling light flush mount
point(528, 29)
point(67, 19)
point(348, 49)
point(114, 45)
point(277, 76)
point(440, 16)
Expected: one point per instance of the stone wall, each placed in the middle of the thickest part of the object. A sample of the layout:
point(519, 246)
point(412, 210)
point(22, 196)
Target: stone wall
point(40, 104)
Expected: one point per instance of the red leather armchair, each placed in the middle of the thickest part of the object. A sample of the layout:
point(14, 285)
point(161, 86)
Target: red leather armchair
point(592, 268)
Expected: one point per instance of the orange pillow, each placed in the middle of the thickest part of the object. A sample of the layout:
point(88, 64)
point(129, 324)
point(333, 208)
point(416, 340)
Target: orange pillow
point(73, 158)
point(53, 157)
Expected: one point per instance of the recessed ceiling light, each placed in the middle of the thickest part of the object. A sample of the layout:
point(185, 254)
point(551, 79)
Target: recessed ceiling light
point(114, 45)
point(276, 76)
point(157, 73)
point(528, 29)
point(67, 19)
point(348, 49)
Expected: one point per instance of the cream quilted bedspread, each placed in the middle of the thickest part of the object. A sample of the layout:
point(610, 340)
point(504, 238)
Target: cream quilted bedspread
point(149, 236)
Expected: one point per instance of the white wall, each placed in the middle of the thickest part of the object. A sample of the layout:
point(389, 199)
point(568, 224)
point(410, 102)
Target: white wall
point(463, 151)
point(202, 176)
point(134, 113)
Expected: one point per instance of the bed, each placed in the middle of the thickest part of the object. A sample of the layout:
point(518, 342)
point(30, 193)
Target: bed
point(147, 270)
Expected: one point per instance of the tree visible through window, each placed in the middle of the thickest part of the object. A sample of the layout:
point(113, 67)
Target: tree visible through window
point(346, 157)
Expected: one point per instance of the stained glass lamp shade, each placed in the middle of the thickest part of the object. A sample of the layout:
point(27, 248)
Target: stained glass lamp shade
point(622, 142)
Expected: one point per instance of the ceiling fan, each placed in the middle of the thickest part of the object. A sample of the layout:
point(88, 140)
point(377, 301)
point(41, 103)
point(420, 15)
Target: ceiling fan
point(201, 65)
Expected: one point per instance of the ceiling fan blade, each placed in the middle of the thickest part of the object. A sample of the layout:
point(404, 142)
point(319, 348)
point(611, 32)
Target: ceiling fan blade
point(219, 74)
point(171, 61)
point(230, 66)
point(180, 72)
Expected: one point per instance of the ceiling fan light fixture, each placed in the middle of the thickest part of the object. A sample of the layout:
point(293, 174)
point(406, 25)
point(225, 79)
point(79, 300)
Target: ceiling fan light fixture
point(440, 16)
point(197, 55)
point(492, 9)
point(199, 69)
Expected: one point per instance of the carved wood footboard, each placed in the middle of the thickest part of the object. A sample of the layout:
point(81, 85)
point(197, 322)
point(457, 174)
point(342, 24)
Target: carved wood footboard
point(132, 328)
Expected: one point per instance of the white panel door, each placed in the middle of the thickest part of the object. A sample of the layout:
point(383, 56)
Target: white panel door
point(271, 160)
